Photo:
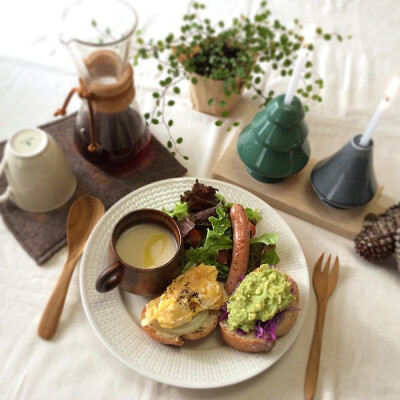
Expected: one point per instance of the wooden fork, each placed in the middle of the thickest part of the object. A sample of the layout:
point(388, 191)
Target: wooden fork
point(324, 282)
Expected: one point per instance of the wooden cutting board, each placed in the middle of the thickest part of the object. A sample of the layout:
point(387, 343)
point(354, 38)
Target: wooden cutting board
point(296, 196)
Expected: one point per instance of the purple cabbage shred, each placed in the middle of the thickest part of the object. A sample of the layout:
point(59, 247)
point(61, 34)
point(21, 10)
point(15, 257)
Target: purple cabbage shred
point(266, 330)
point(223, 313)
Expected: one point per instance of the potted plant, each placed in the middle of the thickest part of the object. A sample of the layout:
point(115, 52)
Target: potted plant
point(220, 61)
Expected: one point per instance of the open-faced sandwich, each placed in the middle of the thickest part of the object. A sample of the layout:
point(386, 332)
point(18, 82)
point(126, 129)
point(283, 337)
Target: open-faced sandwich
point(262, 308)
point(221, 242)
point(189, 309)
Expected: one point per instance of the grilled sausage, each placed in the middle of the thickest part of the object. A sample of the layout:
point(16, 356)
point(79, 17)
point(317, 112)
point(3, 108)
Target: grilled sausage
point(240, 248)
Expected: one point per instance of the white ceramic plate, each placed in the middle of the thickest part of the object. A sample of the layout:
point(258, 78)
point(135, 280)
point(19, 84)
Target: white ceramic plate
point(115, 316)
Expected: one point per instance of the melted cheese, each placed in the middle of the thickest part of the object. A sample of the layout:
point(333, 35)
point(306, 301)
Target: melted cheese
point(190, 293)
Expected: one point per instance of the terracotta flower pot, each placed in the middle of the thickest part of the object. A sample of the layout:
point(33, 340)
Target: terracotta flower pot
point(206, 89)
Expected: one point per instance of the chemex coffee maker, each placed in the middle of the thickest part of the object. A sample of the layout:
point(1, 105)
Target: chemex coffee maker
point(110, 131)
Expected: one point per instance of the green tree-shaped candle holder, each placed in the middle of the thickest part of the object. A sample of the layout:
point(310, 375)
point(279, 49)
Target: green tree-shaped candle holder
point(275, 146)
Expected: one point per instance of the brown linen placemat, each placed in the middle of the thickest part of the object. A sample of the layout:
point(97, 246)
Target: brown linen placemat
point(43, 234)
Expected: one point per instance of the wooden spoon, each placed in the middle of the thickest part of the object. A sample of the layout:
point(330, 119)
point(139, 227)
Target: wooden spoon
point(82, 218)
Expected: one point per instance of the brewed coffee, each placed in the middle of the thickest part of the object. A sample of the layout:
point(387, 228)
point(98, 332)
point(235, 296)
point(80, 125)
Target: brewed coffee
point(123, 138)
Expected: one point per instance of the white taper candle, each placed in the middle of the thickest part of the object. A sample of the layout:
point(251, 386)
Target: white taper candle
point(294, 79)
point(298, 66)
point(383, 104)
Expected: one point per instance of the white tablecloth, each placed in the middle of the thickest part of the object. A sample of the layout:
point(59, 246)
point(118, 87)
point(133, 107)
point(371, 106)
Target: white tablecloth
point(361, 352)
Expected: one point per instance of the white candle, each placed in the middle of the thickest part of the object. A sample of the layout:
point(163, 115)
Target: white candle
point(383, 104)
point(298, 67)
point(294, 80)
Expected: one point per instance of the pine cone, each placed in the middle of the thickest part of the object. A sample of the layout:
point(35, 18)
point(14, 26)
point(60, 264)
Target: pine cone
point(373, 244)
point(397, 247)
point(377, 240)
point(394, 213)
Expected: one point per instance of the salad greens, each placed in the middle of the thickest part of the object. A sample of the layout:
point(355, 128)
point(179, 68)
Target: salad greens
point(252, 215)
point(205, 210)
point(216, 240)
point(268, 257)
point(180, 211)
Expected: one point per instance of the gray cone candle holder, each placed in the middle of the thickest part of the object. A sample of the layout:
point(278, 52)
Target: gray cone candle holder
point(275, 146)
point(346, 179)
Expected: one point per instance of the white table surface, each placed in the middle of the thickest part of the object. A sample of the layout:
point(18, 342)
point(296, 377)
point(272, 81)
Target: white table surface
point(361, 351)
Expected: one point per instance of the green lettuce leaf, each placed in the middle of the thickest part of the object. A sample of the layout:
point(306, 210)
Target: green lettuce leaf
point(216, 239)
point(220, 223)
point(220, 198)
point(253, 215)
point(267, 238)
point(180, 211)
point(270, 257)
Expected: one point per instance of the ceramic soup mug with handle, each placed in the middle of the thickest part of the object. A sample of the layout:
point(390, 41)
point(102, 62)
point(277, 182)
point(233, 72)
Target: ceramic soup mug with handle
point(38, 175)
point(146, 253)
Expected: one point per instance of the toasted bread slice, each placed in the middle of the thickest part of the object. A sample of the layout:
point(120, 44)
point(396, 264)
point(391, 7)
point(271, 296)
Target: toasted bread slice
point(210, 321)
point(247, 342)
point(244, 342)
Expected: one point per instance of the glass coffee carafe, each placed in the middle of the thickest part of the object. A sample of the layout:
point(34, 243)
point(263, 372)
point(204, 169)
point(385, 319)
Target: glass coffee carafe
point(110, 130)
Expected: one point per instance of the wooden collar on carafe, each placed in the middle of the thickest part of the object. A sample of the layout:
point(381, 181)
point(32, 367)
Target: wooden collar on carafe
point(103, 98)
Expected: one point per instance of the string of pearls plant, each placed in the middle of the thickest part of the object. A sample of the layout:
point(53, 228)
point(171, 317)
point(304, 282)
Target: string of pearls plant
point(237, 54)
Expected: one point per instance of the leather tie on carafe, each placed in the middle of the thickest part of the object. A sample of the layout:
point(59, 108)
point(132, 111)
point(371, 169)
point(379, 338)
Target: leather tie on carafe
point(103, 98)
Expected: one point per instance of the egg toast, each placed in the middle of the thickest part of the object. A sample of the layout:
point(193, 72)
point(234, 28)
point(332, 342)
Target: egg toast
point(188, 309)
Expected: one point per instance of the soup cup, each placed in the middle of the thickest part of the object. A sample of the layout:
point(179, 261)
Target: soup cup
point(139, 279)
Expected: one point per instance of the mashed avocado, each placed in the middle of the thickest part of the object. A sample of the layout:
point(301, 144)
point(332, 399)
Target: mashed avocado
point(261, 295)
